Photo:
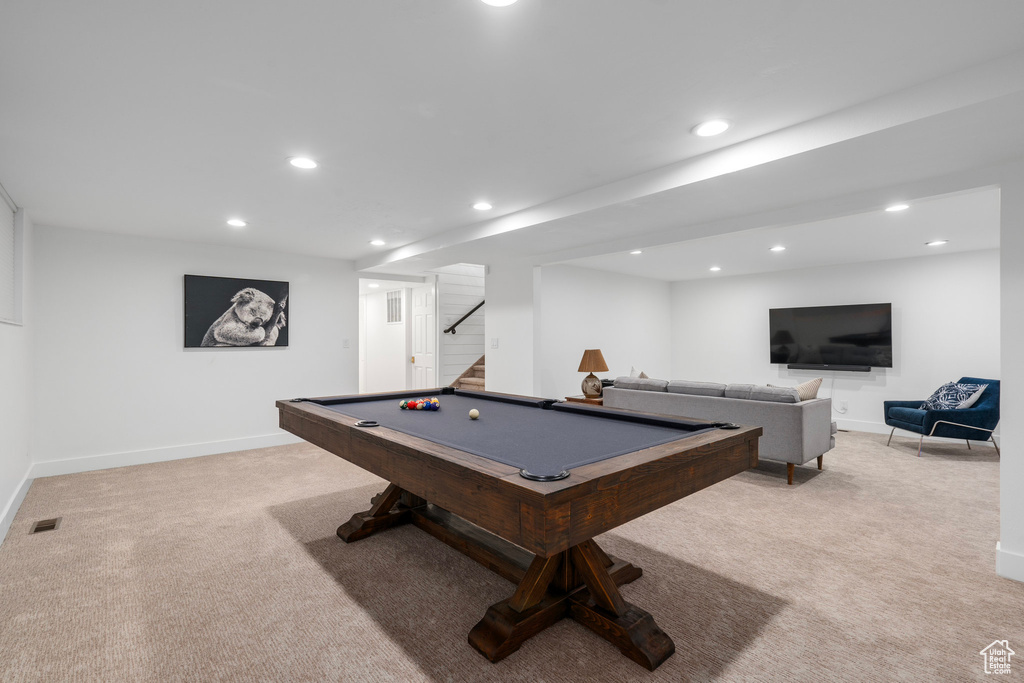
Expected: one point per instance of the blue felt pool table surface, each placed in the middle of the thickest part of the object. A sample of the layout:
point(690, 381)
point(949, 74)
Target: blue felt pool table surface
point(540, 436)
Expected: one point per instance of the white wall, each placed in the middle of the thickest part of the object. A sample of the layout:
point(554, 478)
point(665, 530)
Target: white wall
point(385, 343)
point(509, 325)
point(720, 327)
point(16, 393)
point(459, 288)
point(1010, 550)
point(626, 317)
point(113, 384)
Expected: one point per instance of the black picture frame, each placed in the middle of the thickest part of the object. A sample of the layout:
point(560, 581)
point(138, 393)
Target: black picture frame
point(228, 312)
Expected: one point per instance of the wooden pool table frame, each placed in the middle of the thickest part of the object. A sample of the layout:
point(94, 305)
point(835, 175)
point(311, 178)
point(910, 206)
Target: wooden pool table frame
point(538, 535)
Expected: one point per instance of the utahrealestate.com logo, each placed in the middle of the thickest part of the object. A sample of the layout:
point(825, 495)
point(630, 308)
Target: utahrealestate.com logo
point(997, 657)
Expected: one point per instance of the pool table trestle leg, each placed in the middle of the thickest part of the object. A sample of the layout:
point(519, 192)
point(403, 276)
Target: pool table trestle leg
point(380, 516)
point(581, 582)
point(594, 600)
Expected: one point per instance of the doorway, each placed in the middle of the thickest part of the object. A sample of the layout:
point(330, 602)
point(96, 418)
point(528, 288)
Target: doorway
point(397, 334)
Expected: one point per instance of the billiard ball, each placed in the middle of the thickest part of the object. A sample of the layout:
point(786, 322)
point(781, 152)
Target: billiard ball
point(474, 414)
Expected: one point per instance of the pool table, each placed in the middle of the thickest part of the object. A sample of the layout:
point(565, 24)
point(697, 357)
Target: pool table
point(523, 490)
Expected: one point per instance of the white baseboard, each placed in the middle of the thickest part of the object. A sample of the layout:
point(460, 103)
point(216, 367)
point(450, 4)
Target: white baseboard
point(1009, 565)
point(102, 462)
point(860, 425)
point(12, 506)
point(882, 428)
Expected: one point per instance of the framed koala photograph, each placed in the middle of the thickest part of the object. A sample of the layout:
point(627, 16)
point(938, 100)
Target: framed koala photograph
point(233, 312)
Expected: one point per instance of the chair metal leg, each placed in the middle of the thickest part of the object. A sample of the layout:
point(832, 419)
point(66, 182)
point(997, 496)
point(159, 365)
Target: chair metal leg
point(920, 442)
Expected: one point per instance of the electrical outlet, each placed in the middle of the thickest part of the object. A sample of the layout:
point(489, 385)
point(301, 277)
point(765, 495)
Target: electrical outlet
point(344, 343)
point(494, 342)
point(843, 406)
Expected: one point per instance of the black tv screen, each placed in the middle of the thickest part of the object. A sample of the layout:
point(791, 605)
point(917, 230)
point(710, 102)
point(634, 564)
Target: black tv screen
point(858, 335)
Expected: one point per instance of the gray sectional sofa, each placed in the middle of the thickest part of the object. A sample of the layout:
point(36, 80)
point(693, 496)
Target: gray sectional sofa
point(795, 431)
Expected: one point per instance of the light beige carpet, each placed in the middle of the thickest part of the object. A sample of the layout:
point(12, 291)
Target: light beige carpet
point(226, 568)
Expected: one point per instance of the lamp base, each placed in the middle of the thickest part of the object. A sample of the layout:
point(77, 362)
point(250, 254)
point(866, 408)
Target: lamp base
point(592, 386)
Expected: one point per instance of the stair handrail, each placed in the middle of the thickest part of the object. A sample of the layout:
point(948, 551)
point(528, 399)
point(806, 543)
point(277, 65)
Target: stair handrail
point(460, 320)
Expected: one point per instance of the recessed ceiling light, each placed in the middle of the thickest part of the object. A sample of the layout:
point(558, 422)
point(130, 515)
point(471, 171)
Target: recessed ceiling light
point(709, 128)
point(378, 243)
point(302, 162)
point(499, 3)
point(483, 206)
point(236, 223)
point(714, 269)
point(936, 243)
point(897, 207)
point(778, 248)
point(636, 252)
point(373, 285)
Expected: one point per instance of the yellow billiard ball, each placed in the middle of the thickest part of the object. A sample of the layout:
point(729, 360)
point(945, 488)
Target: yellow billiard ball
point(474, 414)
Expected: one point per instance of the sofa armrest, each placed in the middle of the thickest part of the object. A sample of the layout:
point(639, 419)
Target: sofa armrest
point(817, 427)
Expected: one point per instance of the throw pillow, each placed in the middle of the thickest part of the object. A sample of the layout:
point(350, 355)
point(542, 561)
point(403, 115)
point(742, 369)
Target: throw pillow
point(807, 390)
point(951, 395)
point(633, 372)
point(972, 399)
point(642, 375)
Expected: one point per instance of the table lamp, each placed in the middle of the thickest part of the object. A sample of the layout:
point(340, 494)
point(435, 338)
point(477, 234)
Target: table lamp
point(592, 362)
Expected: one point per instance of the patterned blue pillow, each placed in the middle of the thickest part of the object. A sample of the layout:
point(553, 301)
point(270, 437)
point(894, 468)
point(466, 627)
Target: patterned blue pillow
point(950, 395)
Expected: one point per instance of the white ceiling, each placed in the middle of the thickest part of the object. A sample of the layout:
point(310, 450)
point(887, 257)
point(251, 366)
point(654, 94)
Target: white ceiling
point(968, 220)
point(377, 284)
point(571, 117)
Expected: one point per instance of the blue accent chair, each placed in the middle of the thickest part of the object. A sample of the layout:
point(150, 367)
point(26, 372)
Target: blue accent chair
point(970, 424)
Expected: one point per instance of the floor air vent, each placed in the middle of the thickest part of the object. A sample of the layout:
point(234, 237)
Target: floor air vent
point(45, 525)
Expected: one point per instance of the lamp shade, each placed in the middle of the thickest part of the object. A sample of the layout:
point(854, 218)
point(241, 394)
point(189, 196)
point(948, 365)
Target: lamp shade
point(593, 361)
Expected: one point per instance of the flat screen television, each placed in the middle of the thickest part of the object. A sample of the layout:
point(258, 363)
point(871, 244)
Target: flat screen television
point(853, 337)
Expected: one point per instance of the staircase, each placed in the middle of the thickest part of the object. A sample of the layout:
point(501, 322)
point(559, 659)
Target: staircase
point(472, 378)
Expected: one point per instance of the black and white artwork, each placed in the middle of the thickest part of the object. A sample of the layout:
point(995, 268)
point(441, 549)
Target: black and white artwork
point(227, 311)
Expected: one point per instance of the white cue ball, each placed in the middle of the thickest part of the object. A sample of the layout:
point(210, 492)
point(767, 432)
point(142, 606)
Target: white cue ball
point(474, 414)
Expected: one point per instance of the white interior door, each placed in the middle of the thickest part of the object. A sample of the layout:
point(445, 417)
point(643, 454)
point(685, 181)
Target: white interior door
point(424, 337)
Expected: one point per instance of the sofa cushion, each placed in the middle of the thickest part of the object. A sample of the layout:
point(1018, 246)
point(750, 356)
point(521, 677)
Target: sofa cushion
point(641, 384)
point(951, 395)
point(776, 394)
point(683, 386)
point(908, 415)
point(738, 390)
